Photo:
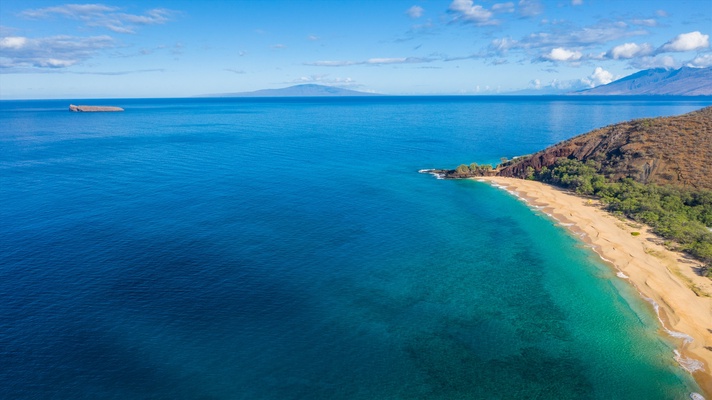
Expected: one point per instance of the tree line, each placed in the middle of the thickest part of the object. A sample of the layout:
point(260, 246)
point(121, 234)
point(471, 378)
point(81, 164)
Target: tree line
point(678, 214)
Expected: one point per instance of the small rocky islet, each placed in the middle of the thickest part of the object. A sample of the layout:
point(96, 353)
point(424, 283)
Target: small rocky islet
point(74, 108)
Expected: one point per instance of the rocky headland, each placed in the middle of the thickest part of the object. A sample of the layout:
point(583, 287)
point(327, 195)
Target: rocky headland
point(673, 151)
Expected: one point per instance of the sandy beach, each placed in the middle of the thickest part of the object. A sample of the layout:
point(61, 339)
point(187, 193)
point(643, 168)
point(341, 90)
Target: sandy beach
point(667, 279)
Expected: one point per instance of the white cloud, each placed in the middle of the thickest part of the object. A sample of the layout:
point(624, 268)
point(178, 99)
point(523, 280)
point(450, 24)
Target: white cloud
point(70, 11)
point(55, 63)
point(313, 37)
point(333, 63)
point(600, 77)
point(702, 61)
point(687, 42)
point(50, 52)
point(667, 62)
point(644, 22)
point(278, 46)
point(576, 2)
point(563, 85)
point(13, 42)
point(468, 12)
point(530, 8)
point(155, 16)
point(569, 85)
point(586, 36)
point(503, 7)
point(386, 60)
point(630, 50)
point(562, 54)
point(415, 12)
point(502, 45)
point(99, 15)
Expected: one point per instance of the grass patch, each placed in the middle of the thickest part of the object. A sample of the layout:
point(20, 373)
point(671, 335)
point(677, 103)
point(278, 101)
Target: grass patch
point(688, 282)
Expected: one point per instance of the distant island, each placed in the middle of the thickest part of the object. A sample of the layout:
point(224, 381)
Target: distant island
point(74, 108)
point(306, 90)
point(685, 81)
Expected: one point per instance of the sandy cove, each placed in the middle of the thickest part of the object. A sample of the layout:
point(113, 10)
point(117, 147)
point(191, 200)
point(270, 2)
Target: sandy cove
point(665, 278)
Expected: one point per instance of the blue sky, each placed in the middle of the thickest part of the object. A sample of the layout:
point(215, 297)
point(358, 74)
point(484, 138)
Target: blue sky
point(53, 49)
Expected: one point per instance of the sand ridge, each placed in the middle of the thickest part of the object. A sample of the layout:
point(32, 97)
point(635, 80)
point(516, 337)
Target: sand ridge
point(667, 279)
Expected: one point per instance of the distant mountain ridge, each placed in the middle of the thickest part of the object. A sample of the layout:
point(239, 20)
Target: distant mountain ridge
point(685, 81)
point(306, 90)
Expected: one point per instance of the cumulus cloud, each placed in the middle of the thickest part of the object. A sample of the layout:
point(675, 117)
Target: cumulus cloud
point(659, 61)
point(599, 77)
point(629, 50)
point(466, 11)
point(687, 42)
point(13, 42)
point(702, 61)
point(99, 15)
point(562, 54)
point(415, 12)
point(50, 52)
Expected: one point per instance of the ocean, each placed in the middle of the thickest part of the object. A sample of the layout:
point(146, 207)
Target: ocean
point(289, 249)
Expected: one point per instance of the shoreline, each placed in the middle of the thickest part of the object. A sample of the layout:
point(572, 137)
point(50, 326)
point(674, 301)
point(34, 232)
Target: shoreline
point(662, 277)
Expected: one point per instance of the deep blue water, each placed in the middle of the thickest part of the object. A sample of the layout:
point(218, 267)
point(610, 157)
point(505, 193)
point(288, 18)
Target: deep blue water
point(288, 249)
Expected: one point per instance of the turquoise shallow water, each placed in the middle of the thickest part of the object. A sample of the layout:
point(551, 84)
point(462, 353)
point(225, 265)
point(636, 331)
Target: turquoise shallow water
point(276, 249)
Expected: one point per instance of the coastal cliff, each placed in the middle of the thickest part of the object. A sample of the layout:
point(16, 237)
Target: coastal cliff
point(74, 108)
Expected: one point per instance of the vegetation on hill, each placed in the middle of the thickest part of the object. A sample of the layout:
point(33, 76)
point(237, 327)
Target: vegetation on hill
point(464, 171)
point(679, 214)
point(667, 151)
